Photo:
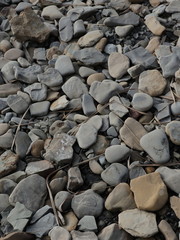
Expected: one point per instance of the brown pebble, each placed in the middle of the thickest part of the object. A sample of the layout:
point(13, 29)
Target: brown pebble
point(167, 230)
point(95, 77)
point(150, 169)
point(13, 54)
point(101, 44)
point(37, 147)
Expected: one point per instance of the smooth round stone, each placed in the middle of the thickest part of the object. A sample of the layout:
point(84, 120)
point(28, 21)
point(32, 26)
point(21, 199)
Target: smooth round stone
point(87, 223)
point(86, 71)
point(5, 45)
point(95, 77)
point(117, 153)
point(87, 203)
point(122, 31)
point(51, 13)
point(173, 131)
point(156, 144)
point(23, 62)
point(175, 108)
point(95, 167)
point(99, 187)
point(115, 174)
point(71, 221)
point(13, 54)
point(90, 38)
point(142, 102)
point(58, 232)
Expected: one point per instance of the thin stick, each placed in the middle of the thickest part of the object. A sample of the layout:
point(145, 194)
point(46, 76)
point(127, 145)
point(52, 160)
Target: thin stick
point(18, 128)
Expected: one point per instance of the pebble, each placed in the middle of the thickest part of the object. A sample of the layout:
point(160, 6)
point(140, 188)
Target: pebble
point(77, 235)
point(95, 77)
point(122, 31)
point(120, 199)
point(128, 18)
point(99, 187)
point(65, 29)
point(138, 223)
point(154, 191)
point(13, 54)
point(154, 25)
point(87, 223)
point(175, 203)
point(90, 38)
point(40, 167)
point(142, 102)
point(118, 64)
point(51, 13)
point(71, 221)
point(152, 83)
point(62, 201)
point(5, 45)
point(75, 179)
point(117, 153)
point(74, 87)
point(26, 192)
point(156, 144)
point(22, 143)
point(6, 186)
point(64, 65)
point(175, 108)
point(88, 105)
point(171, 178)
point(4, 202)
point(103, 91)
point(115, 174)
point(17, 103)
point(37, 147)
point(113, 232)
point(117, 106)
point(131, 133)
point(87, 203)
point(8, 70)
point(59, 104)
point(95, 167)
point(57, 233)
point(37, 92)
point(3, 128)
point(39, 109)
point(172, 130)
point(51, 78)
point(167, 230)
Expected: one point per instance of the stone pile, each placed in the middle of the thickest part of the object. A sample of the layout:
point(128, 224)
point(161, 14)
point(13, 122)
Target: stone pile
point(89, 119)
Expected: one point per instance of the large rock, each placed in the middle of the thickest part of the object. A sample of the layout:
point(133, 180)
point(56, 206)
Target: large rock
point(156, 144)
point(150, 192)
point(31, 192)
point(60, 149)
point(138, 223)
point(87, 203)
point(24, 27)
point(131, 133)
point(121, 198)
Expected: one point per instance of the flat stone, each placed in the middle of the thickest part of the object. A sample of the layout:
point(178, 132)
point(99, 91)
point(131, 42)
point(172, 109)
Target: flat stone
point(86, 135)
point(141, 56)
point(24, 29)
point(62, 201)
point(4, 201)
point(51, 13)
point(87, 203)
point(154, 25)
point(59, 233)
point(40, 213)
point(88, 105)
point(31, 192)
point(37, 92)
point(138, 223)
point(27, 75)
point(13, 54)
point(118, 64)
point(90, 38)
point(59, 104)
point(64, 65)
point(173, 131)
point(42, 226)
point(75, 179)
point(175, 203)
point(103, 91)
point(65, 29)
point(60, 149)
point(19, 216)
point(119, 5)
point(171, 177)
point(8, 161)
point(77, 235)
point(128, 18)
point(131, 133)
point(154, 191)
point(173, 6)
point(166, 229)
point(8, 70)
point(89, 56)
point(22, 143)
point(87, 223)
point(122, 31)
point(152, 83)
point(142, 102)
point(113, 232)
point(120, 199)
point(156, 144)
point(51, 78)
point(17, 103)
point(117, 153)
point(39, 167)
point(6, 186)
point(115, 174)
point(117, 106)
point(39, 109)
point(74, 87)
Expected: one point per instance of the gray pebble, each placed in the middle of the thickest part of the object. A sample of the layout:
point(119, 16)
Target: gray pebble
point(64, 65)
point(39, 109)
point(142, 102)
point(88, 105)
point(37, 92)
point(117, 153)
point(51, 78)
point(87, 223)
point(62, 201)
